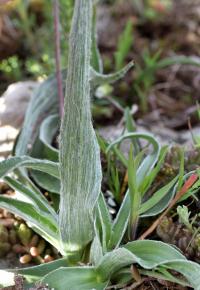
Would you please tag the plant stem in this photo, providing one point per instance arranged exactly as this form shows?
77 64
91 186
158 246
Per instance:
134 216
58 55
80 164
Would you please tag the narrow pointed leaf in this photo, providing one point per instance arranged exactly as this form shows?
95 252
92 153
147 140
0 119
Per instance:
98 79
96 61
42 222
96 251
103 216
120 223
156 198
148 180
38 199
124 44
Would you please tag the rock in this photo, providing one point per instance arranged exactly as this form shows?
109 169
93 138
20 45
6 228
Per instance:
14 102
13 105
163 134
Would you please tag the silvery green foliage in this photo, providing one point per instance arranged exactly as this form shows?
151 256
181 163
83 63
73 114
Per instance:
80 166
43 102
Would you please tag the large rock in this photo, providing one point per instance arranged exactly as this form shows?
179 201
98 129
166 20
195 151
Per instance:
13 105
14 102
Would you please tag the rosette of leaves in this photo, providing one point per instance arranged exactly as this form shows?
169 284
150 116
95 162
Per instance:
94 255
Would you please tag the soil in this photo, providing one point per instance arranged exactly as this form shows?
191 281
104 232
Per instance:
173 95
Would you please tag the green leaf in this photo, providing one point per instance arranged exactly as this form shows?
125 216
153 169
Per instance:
148 162
131 128
36 198
76 278
181 169
42 151
148 180
189 270
43 102
104 218
163 274
35 273
98 79
124 44
80 164
134 192
12 163
46 181
120 223
96 251
163 203
48 130
184 216
153 253
178 59
40 221
96 61
194 188
145 209
149 255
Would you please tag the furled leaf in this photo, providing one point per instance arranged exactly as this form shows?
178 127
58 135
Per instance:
44 180
43 103
149 255
43 149
149 161
79 150
48 130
